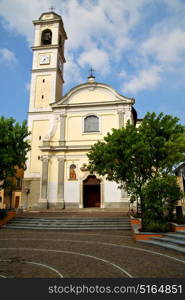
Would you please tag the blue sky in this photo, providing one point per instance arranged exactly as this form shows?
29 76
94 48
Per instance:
136 46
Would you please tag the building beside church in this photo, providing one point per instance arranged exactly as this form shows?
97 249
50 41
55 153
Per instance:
10 196
63 128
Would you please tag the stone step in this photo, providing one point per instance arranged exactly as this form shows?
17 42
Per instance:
66 225
90 223
165 245
181 232
170 240
176 235
72 219
69 222
66 228
70 226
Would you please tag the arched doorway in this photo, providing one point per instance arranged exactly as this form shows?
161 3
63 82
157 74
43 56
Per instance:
91 192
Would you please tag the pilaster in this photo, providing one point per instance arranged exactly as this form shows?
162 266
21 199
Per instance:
121 118
81 195
102 194
44 179
62 129
60 190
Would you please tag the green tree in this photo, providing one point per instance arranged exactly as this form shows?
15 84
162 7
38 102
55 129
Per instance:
14 146
132 156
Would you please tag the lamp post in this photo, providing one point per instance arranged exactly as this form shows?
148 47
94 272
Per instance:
27 191
179 212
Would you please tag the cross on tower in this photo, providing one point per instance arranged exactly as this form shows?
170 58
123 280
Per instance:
52 8
91 72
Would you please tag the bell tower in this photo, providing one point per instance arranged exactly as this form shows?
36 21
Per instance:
45 88
48 59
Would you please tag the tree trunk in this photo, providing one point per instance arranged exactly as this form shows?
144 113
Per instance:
142 211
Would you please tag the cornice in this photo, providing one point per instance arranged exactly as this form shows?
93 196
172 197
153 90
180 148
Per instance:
44 70
38 112
87 104
65 148
44 47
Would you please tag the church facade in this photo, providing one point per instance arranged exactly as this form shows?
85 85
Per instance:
64 127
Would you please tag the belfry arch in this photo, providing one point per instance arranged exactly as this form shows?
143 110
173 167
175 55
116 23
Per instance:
46 38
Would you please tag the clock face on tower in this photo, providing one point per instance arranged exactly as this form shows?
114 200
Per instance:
44 59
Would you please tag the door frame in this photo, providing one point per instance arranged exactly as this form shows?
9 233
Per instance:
90 185
81 202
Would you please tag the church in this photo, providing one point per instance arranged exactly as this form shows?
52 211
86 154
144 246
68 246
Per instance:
64 127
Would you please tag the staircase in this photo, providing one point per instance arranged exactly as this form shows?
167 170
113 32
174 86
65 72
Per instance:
69 224
174 241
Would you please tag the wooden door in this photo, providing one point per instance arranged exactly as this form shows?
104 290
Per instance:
91 192
17 198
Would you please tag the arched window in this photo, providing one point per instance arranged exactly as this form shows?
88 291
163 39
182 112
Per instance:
72 172
46 37
91 124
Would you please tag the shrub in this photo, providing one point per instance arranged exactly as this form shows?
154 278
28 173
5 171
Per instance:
156 226
180 220
160 196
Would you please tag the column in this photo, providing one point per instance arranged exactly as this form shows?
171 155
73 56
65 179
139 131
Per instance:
62 130
60 189
44 179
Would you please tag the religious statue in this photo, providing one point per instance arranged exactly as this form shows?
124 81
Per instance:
72 173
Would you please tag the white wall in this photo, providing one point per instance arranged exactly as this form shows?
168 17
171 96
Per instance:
111 192
52 191
72 191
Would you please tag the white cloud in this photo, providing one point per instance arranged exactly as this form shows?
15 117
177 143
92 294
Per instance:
72 72
166 45
27 86
100 34
123 74
146 80
7 55
96 58
18 15
90 25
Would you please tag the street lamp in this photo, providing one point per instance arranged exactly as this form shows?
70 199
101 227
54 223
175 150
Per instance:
27 191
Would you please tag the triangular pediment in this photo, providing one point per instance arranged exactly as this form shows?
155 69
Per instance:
92 93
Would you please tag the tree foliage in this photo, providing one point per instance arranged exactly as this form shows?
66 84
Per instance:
166 140
133 156
13 146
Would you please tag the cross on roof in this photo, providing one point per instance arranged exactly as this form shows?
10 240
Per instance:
52 8
91 72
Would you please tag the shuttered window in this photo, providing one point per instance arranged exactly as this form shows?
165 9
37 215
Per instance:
91 124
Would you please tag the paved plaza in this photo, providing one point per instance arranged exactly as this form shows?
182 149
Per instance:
84 254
